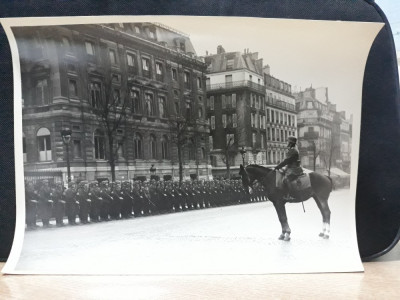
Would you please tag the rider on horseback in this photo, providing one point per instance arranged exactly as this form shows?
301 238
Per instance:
292 163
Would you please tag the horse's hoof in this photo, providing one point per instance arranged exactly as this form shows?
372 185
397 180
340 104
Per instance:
287 239
281 237
322 234
326 236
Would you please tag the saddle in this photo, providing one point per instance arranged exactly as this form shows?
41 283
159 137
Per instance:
299 186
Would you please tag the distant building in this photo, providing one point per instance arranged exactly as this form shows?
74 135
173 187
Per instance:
67 70
281 116
324 134
236 107
251 113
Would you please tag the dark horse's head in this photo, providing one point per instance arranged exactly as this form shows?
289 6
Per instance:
252 173
246 180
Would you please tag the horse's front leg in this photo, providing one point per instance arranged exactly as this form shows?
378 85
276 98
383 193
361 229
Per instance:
281 211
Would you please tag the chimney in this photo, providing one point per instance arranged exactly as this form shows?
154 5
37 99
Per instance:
220 50
267 70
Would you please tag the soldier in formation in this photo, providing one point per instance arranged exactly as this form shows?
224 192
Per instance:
95 202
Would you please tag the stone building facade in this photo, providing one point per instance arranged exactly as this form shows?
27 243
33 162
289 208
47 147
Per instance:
281 116
248 106
150 69
324 133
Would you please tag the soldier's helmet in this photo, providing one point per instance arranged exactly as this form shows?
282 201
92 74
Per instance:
292 139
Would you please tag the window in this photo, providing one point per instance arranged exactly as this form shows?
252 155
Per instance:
162 107
199 83
229 64
254 139
269 134
273 134
95 94
202 153
212 122
186 77
262 141
137 146
211 142
200 113
310 129
73 88
130 60
152 34
66 44
309 105
177 110
282 137
42 92
159 71
212 103
188 111
135 101
234 120
76 149
44 144
113 57
146 66
90 49
149 104
224 120
174 74
137 29
228 80
234 100
153 147
164 147
223 101
99 145
252 120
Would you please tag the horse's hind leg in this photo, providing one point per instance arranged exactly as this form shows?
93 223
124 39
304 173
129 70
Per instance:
322 204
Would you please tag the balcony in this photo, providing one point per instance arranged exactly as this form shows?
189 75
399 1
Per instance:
236 84
280 104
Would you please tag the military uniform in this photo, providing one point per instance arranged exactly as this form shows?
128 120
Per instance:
71 204
45 205
31 205
59 204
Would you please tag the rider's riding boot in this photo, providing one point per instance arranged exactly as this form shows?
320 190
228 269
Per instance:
287 196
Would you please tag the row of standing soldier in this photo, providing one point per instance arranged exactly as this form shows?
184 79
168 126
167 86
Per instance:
95 202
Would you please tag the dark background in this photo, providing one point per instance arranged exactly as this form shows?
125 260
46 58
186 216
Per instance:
377 203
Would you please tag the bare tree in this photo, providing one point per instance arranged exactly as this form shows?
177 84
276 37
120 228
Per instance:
111 113
180 136
331 147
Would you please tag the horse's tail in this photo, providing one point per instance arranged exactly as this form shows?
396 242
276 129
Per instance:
332 183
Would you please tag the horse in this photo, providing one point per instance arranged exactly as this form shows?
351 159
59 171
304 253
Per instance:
321 187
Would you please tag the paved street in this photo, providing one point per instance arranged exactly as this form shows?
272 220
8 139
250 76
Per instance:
225 240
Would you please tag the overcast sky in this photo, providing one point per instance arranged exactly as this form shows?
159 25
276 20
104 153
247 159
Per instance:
302 53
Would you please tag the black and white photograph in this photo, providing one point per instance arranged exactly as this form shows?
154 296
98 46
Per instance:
186 145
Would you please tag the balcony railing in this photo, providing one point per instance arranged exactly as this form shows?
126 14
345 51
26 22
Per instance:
236 84
281 104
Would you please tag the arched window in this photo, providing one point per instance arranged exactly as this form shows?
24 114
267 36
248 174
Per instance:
164 147
153 147
99 145
135 99
137 146
44 144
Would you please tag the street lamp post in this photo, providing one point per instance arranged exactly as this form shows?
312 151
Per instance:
66 137
243 153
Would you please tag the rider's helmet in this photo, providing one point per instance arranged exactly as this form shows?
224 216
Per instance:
292 139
